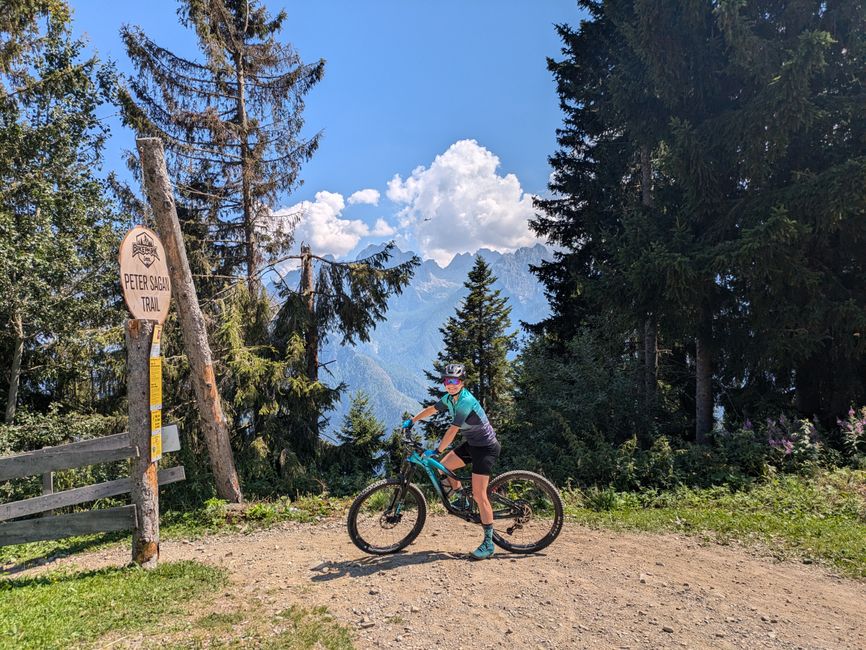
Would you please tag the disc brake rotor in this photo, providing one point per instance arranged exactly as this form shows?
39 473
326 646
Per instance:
389 520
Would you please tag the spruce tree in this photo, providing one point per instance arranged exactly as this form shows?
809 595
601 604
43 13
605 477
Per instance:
231 123
743 250
361 437
360 453
342 299
477 336
58 299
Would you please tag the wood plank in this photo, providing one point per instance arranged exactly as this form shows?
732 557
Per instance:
40 462
47 488
81 495
79 523
45 459
170 438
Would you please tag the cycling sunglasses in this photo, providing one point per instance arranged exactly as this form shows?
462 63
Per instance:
451 381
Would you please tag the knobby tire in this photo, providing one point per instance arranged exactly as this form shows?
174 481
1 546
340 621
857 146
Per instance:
358 503
558 516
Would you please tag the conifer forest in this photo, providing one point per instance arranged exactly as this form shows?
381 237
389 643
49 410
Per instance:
707 286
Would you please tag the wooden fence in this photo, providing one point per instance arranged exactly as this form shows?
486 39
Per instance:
76 454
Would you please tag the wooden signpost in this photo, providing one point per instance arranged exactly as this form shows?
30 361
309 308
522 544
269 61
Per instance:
146 286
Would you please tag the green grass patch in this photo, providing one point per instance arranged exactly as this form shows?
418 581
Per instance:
296 628
218 516
24 554
59 610
219 621
817 518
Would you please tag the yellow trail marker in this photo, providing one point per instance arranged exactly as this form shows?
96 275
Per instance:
156 395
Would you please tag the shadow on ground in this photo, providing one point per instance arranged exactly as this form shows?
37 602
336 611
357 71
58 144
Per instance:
61 550
367 565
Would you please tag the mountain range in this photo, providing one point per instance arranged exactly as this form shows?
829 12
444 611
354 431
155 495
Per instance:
390 367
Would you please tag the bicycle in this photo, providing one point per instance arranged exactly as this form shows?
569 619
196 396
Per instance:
529 503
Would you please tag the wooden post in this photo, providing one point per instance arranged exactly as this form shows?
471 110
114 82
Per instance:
195 341
47 488
145 489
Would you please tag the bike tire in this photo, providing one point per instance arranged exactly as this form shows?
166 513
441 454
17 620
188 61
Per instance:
558 515
366 493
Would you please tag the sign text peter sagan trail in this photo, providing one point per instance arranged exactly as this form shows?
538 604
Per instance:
144 275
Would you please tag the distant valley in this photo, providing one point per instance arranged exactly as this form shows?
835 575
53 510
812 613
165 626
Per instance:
390 368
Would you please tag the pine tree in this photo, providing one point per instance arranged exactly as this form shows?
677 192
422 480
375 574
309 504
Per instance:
231 123
58 299
361 437
344 299
743 251
361 451
477 336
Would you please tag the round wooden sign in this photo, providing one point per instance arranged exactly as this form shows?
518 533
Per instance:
144 275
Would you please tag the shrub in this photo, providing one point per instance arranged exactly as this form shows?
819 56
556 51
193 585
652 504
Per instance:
35 431
795 443
854 434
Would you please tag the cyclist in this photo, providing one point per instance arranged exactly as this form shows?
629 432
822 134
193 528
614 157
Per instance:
479 447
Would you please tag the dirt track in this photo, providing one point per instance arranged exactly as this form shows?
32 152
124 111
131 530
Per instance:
591 589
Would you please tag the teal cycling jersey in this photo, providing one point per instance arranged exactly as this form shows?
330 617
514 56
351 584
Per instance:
468 415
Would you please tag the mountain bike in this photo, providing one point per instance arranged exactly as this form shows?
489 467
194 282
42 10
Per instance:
388 515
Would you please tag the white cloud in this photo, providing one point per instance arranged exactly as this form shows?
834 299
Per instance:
367 197
321 226
460 204
382 229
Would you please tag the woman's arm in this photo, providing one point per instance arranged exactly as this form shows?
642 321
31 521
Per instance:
426 413
447 439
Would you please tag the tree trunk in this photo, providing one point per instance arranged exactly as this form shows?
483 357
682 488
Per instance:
651 364
646 176
15 370
650 344
195 339
311 333
703 381
251 242
145 489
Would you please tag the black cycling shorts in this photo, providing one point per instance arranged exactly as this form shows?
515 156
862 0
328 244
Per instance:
481 458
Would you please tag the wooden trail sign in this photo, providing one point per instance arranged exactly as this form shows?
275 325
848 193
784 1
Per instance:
144 276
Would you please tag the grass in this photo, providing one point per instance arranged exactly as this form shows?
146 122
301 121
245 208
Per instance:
296 628
59 610
819 518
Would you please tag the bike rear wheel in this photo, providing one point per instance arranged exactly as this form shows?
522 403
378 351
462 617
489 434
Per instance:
380 522
527 511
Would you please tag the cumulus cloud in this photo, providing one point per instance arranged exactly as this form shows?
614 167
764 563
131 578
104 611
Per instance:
460 204
367 197
321 226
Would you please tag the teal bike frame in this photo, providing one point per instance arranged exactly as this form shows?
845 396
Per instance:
431 467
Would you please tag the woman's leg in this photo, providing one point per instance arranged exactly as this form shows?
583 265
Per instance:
452 461
479 493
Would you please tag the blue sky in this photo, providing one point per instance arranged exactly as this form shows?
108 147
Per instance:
437 117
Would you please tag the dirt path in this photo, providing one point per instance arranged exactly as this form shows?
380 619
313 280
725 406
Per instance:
591 589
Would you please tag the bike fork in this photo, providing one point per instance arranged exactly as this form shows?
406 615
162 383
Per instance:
396 504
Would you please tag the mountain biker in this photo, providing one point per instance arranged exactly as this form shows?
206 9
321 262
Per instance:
479 447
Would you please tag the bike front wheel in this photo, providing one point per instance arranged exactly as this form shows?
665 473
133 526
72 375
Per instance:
385 519
527 511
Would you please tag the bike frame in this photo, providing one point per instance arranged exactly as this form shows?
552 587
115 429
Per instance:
431 466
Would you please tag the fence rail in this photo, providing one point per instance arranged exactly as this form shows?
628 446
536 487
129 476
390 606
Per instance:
75 454
78 523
